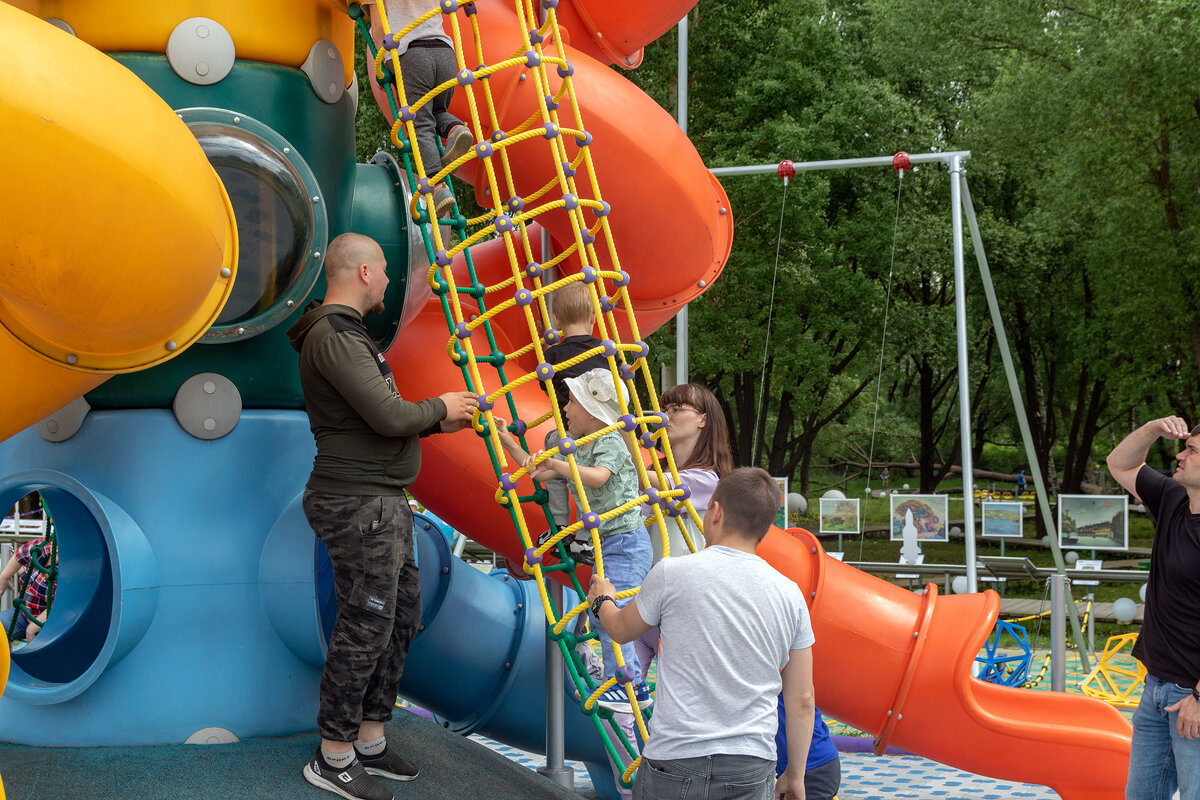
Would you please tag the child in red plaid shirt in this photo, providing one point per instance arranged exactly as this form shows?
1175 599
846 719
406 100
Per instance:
39 590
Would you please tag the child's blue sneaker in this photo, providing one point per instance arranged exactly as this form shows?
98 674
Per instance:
617 701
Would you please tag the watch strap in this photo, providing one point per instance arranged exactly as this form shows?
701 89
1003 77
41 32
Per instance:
599 601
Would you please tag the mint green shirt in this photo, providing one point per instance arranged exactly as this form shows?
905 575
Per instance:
610 452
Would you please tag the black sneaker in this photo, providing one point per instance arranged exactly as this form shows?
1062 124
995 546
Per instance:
582 549
388 765
353 782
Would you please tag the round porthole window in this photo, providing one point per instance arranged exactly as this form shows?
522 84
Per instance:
281 221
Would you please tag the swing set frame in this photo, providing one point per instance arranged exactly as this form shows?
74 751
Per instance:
960 207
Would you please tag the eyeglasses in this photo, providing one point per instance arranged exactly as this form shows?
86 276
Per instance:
675 408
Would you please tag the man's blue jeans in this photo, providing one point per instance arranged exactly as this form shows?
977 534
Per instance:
719 777
1161 760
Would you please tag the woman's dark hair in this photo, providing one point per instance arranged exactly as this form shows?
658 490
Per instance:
712 445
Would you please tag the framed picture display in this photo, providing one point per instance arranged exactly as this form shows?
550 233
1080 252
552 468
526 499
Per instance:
781 516
1093 521
929 513
1002 520
840 516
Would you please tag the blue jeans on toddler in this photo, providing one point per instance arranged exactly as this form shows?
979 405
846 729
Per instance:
627 559
1161 760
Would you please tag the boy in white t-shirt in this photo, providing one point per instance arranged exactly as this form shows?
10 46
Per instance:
730 624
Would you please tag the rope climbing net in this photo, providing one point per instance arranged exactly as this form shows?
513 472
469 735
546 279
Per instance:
471 307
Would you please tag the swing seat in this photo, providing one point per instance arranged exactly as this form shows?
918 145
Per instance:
1118 677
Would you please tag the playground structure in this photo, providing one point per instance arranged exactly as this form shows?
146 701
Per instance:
163 538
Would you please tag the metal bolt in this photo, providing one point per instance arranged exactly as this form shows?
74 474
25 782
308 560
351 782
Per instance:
723 211
291 303
240 331
520 606
445 570
171 345
316 254
209 387
702 284
72 358
52 425
226 272
210 424
287 151
508 665
316 199
916 634
237 120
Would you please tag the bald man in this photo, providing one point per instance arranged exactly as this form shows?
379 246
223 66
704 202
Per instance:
368 452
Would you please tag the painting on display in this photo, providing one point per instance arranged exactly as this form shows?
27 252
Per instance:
928 513
1003 520
839 515
1093 522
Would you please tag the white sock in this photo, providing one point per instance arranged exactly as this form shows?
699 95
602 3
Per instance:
338 761
371 748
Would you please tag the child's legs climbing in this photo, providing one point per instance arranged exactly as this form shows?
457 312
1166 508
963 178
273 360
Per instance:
626 559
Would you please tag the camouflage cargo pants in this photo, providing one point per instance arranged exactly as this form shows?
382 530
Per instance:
375 578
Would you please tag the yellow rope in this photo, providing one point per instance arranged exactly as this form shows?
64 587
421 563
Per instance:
553 123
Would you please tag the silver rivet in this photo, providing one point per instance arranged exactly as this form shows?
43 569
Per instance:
701 284
599 35
522 78
333 88
316 254
210 424
237 120
202 31
241 331
202 69
171 345
226 272
72 358
628 59
487 191
287 150
916 634
52 425
209 387
330 53
724 211
291 303
316 199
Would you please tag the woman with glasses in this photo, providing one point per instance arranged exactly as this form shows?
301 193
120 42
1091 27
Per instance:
699 442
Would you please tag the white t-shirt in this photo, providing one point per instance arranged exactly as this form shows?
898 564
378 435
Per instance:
728 620
702 482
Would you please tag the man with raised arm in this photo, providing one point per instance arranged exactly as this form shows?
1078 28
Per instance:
368 452
1166 725
729 623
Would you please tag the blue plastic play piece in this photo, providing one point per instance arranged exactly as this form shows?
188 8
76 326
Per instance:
1006 660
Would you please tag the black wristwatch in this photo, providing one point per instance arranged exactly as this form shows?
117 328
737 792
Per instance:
599 601
1196 694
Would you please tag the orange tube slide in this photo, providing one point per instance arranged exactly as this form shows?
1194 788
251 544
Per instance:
898 664
97 170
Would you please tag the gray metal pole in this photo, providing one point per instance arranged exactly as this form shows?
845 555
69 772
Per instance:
556 768
1058 633
681 319
1014 389
844 163
964 383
